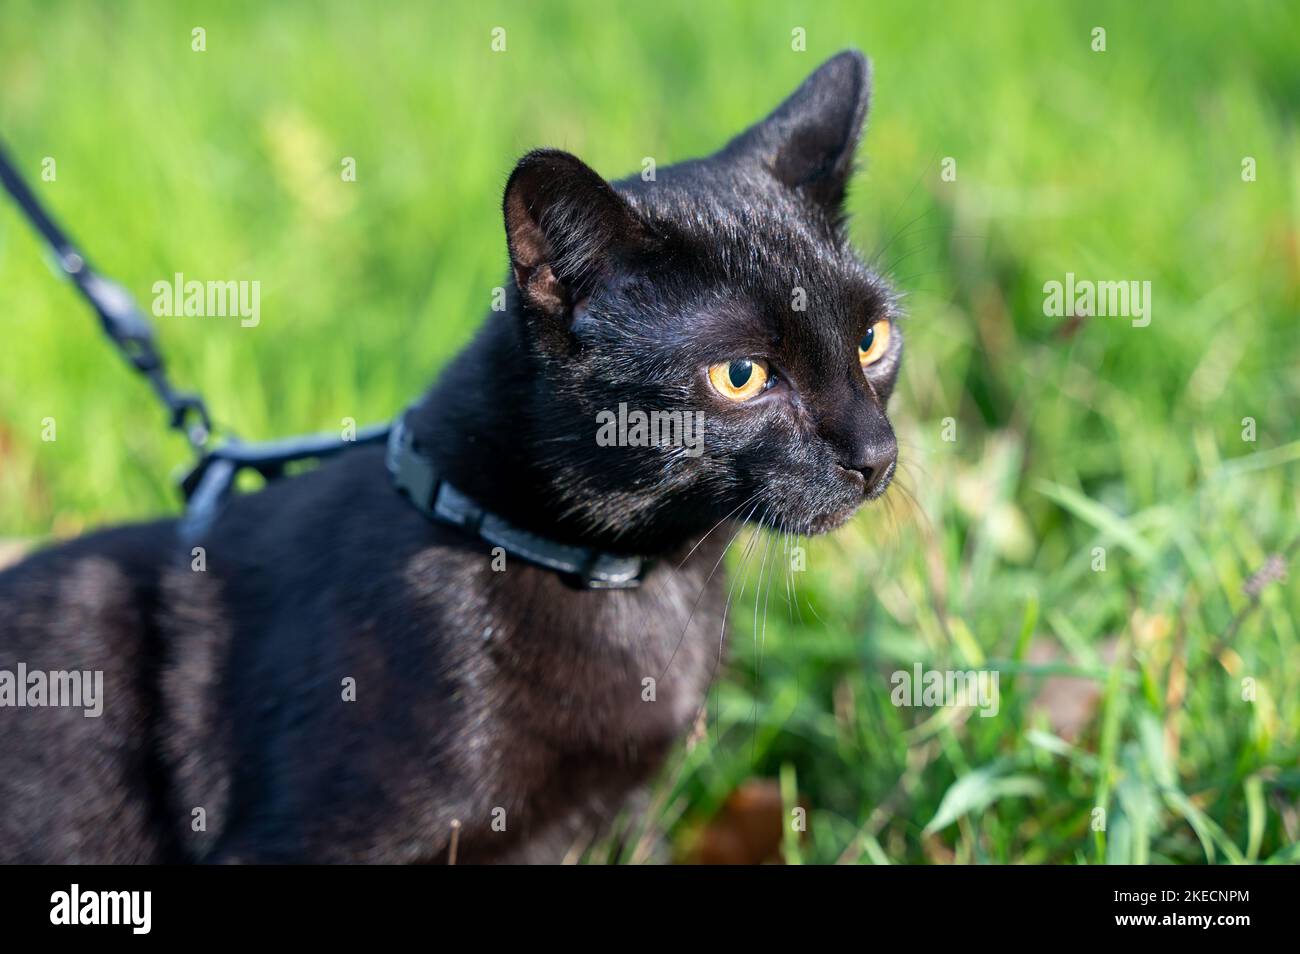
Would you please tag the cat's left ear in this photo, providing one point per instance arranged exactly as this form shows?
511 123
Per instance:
567 229
807 143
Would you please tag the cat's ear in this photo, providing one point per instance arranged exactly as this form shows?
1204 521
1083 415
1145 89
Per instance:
566 228
807 143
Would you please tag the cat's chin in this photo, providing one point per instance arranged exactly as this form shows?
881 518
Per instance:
822 523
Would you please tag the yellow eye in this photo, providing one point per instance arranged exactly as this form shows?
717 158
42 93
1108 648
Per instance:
875 343
739 379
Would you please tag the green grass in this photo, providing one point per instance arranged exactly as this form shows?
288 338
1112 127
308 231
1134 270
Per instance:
1117 165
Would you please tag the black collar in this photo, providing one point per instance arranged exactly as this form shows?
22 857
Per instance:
414 475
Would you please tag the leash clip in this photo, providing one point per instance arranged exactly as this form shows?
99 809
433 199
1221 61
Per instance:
605 571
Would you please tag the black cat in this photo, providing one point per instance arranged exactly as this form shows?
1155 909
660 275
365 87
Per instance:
347 679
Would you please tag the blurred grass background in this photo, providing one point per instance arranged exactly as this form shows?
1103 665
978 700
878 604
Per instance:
1122 688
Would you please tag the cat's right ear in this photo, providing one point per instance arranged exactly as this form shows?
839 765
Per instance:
566 228
807 143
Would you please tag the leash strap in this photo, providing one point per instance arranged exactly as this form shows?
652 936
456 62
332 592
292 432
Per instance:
119 316
415 475
208 486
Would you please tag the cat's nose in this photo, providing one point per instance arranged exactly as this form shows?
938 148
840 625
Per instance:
875 462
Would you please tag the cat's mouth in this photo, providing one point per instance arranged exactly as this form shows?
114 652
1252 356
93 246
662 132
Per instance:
824 522
833 521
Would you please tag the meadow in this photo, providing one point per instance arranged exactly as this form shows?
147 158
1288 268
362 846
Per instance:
1101 512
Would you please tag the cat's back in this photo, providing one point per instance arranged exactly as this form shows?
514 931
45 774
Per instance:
78 651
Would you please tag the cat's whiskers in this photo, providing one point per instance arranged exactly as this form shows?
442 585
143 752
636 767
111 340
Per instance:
915 506
925 171
742 576
731 587
761 637
889 269
909 462
792 600
789 574
891 517
758 588
705 586
716 525
874 261
759 643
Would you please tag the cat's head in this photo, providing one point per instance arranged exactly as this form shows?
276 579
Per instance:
722 290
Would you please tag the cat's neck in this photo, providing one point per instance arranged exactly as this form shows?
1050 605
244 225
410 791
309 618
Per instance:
480 424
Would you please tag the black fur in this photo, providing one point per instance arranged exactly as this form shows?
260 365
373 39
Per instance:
478 690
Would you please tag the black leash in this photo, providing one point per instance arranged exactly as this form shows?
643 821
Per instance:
208 485
122 321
